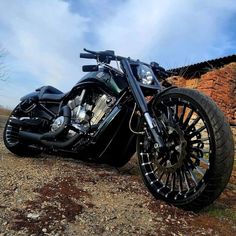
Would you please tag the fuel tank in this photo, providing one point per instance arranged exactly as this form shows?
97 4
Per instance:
115 83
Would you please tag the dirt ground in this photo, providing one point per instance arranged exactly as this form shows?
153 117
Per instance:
52 195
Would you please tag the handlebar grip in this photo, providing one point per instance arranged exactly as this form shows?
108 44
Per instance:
88 56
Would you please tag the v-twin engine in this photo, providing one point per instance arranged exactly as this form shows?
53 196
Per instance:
102 106
90 110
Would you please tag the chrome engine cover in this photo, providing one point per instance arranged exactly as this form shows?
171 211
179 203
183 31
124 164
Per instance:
98 109
58 122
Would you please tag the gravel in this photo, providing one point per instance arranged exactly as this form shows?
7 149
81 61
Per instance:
52 195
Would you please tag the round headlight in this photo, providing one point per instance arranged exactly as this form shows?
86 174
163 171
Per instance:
145 74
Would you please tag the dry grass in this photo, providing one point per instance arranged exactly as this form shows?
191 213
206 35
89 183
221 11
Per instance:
5 111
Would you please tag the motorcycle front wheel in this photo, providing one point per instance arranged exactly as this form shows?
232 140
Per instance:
196 163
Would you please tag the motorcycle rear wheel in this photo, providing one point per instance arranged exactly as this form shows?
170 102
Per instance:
198 160
12 140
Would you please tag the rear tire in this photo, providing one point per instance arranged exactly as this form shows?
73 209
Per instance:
191 178
12 141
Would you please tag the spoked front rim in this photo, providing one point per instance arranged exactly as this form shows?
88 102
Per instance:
181 170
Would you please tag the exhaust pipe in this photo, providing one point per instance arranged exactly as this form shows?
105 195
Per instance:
59 144
29 136
37 138
47 138
66 112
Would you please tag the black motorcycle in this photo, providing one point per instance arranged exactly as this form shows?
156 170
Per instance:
183 141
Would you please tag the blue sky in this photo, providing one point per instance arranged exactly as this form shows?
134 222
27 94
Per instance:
44 38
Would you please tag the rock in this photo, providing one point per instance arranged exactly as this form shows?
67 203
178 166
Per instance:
163 228
33 216
5 223
64 222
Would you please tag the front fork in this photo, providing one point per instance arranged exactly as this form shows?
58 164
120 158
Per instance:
155 130
140 100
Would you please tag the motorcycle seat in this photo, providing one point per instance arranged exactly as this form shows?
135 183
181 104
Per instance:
49 93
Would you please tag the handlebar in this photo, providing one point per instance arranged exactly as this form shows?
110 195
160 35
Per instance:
109 55
88 56
103 56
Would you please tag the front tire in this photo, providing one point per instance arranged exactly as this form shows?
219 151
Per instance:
197 163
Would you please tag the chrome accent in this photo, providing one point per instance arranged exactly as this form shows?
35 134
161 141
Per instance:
79 101
100 109
146 163
149 120
57 123
152 182
148 173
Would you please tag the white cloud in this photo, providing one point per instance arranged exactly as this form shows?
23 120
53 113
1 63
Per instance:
45 37
172 31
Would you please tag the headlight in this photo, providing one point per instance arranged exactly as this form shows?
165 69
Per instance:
145 74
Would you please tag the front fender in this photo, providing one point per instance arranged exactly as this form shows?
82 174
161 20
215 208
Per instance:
157 96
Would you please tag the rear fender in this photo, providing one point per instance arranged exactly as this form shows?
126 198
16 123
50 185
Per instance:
34 96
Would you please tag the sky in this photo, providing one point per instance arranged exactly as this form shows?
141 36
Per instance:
43 38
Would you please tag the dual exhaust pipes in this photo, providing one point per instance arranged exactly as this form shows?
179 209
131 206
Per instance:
48 139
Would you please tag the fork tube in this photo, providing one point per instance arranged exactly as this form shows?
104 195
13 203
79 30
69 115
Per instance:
140 100
136 90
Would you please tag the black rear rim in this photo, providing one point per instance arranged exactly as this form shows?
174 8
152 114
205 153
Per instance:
181 170
11 133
